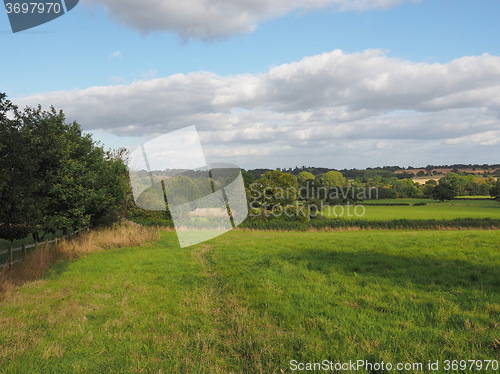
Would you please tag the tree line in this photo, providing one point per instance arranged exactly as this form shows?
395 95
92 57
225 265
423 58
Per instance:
53 177
390 171
268 189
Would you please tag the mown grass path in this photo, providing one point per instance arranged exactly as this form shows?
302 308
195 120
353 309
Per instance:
250 302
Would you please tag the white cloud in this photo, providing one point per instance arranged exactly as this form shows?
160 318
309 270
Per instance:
206 19
483 138
324 101
114 55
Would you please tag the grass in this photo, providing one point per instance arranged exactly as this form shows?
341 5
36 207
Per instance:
41 259
5 244
250 302
475 197
400 201
433 210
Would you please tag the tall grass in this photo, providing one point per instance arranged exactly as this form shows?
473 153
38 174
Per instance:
127 234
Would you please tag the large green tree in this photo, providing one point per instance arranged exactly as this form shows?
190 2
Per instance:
55 176
277 188
17 186
333 179
304 177
444 191
495 190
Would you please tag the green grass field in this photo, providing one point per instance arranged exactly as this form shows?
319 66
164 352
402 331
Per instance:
474 197
250 302
433 210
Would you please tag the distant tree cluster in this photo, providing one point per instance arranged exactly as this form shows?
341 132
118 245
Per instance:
282 188
393 171
53 177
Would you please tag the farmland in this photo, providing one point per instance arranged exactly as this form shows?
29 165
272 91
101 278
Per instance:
253 301
459 208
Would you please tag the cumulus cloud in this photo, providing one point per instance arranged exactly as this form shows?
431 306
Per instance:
206 19
367 99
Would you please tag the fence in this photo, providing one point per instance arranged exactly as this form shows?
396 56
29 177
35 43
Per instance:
10 251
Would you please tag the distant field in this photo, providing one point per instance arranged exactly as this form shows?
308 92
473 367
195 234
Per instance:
422 180
433 210
250 302
399 201
474 197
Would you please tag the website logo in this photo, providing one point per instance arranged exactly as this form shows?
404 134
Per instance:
24 15
170 172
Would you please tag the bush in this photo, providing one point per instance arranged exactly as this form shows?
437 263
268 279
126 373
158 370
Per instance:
150 217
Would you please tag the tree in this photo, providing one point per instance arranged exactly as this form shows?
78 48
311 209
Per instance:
495 190
461 183
71 183
78 184
277 187
304 176
428 188
247 178
404 188
181 189
16 185
333 179
444 191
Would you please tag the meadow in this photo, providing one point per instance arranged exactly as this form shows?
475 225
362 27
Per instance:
460 208
251 302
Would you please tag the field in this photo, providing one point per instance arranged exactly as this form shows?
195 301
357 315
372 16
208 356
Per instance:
433 210
250 302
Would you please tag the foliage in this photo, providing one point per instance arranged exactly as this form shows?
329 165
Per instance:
150 217
181 189
276 188
17 185
371 224
444 191
333 179
247 179
71 183
495 190
304 176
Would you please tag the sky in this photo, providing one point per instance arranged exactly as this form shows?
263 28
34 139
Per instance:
273 83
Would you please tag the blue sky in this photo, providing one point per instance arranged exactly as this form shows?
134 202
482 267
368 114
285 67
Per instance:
269 90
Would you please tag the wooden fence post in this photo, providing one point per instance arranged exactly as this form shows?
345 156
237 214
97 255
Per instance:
10 258
46 244
36 246
24 252
55 243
